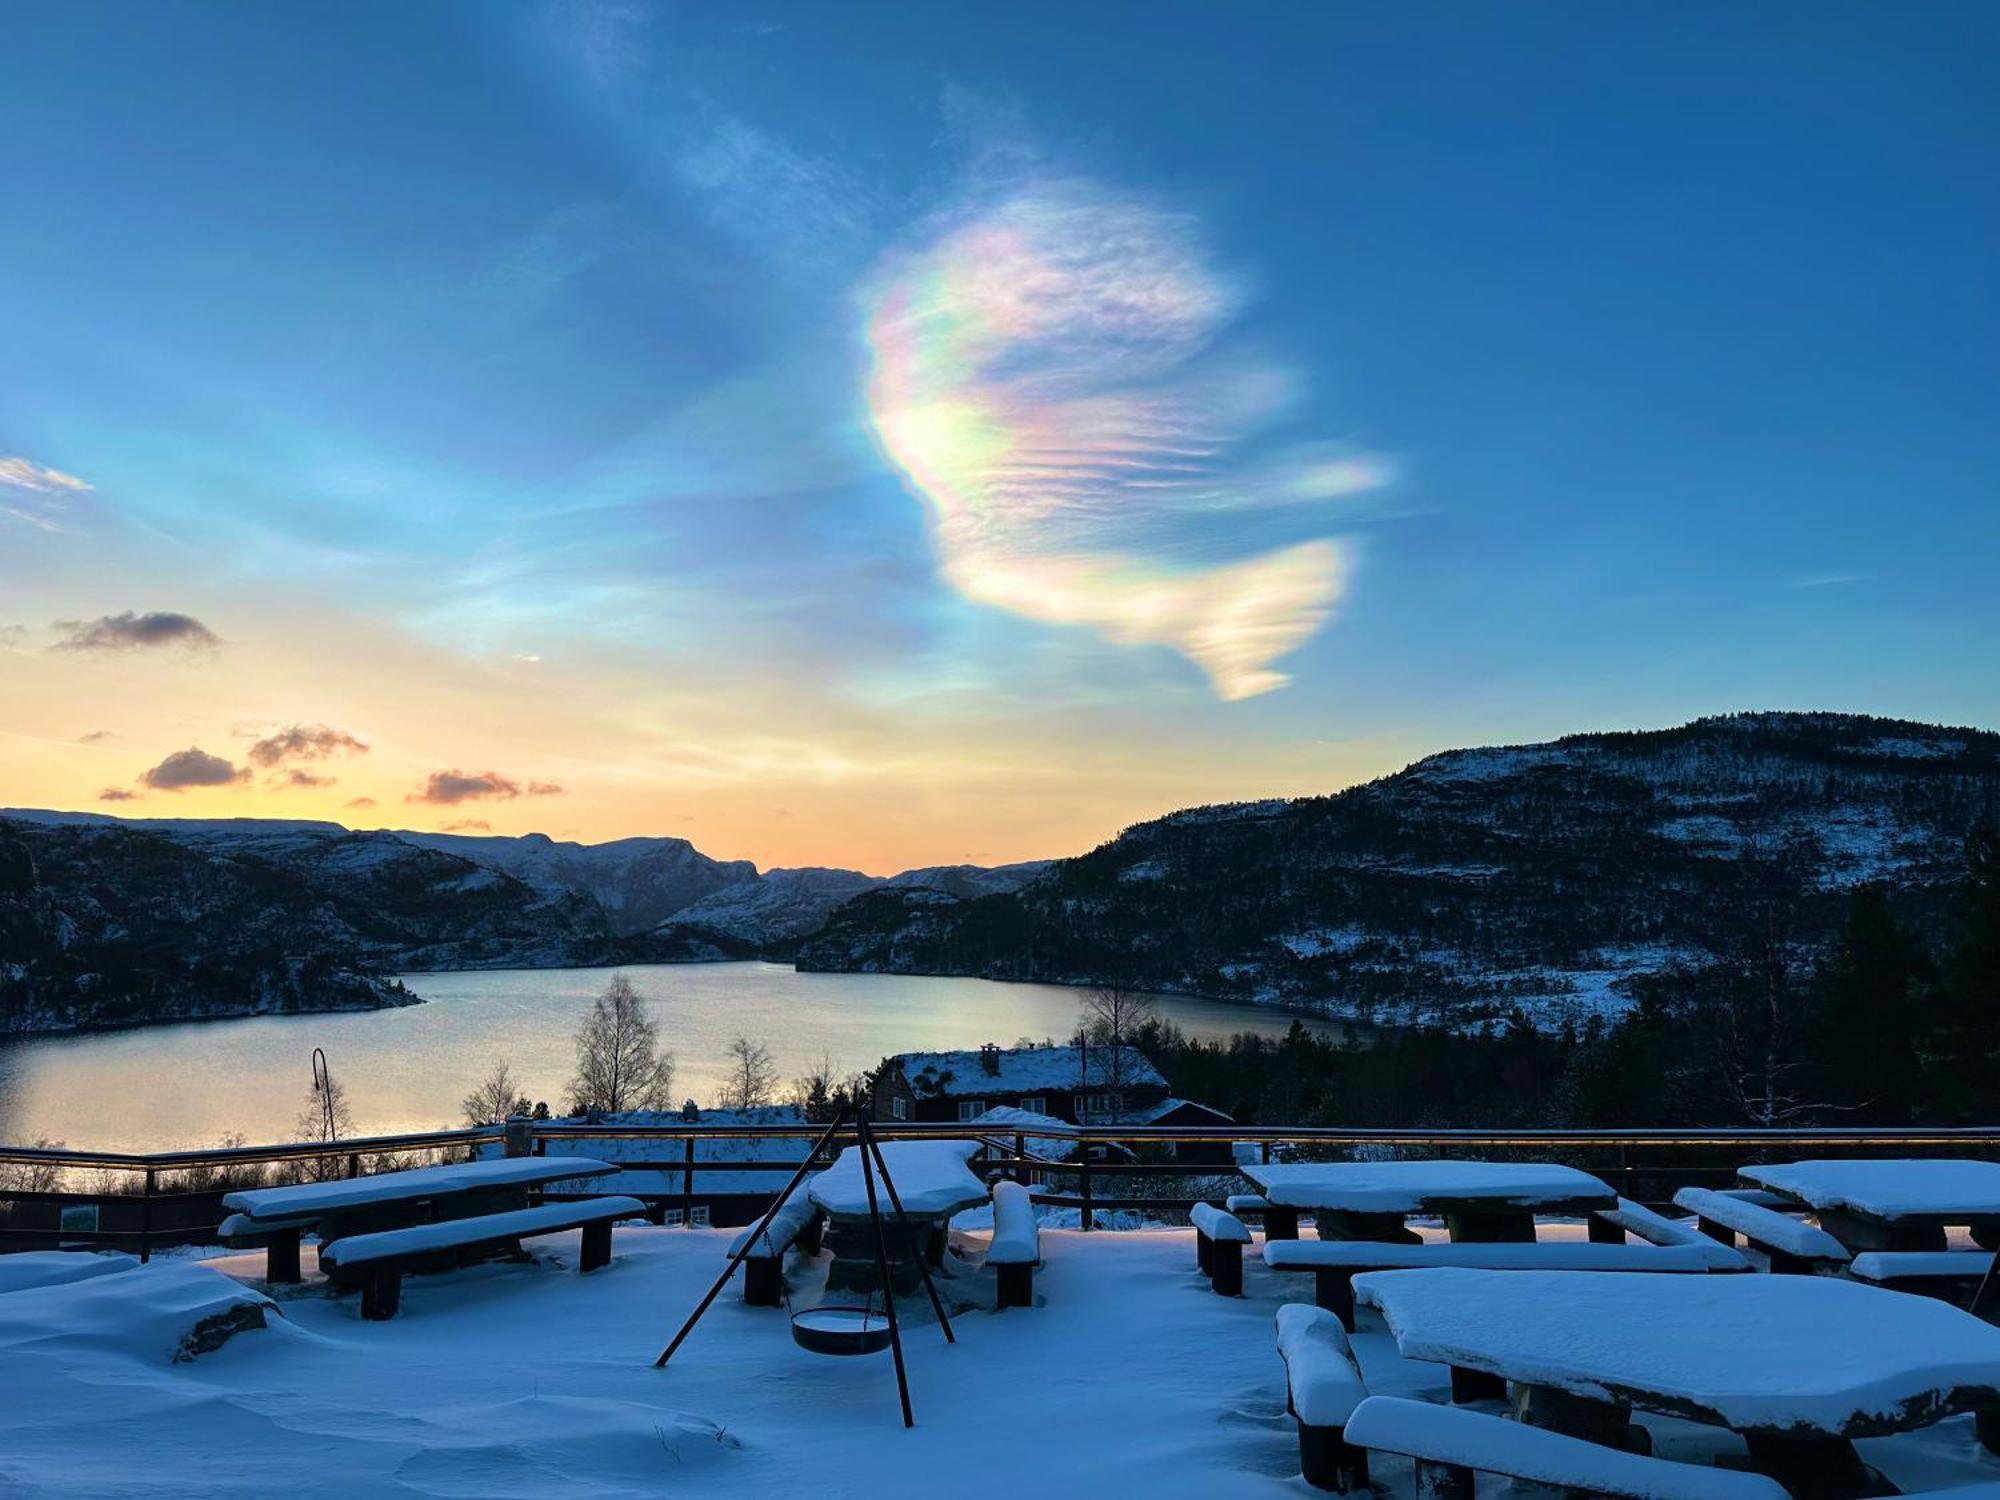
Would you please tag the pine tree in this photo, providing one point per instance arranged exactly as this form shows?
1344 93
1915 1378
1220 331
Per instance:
1962 1045
1869 1013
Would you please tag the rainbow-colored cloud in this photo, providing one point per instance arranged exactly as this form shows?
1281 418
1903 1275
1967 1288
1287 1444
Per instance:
1045 377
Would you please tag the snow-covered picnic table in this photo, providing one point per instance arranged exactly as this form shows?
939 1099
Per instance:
931 1177
1478 1199
1892 1204
389 1200
932 1181
1798 1364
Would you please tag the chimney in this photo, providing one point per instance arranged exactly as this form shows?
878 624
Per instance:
989 1058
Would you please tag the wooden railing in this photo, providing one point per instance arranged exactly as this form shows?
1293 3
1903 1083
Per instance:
148 1200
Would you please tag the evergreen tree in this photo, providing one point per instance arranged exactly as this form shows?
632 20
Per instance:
1865 1026
1962 1045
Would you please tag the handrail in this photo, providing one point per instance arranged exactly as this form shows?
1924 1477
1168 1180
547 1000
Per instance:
1986 1136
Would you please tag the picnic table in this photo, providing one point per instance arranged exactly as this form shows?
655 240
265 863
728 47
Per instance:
1892 1205
932 1181
1479 1201
389 1200
1799 1365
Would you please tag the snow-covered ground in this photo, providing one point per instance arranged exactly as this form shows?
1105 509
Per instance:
527 1380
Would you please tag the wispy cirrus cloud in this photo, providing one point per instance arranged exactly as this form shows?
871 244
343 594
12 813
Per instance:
34 494
1046 375
193 767
135 632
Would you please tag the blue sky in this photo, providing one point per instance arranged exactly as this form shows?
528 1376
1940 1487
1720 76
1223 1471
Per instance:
875 434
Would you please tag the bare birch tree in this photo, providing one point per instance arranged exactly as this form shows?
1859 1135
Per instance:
495 1098
1108 1031
753 1077
618 1062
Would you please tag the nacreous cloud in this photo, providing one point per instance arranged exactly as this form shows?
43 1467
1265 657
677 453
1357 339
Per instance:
1045 377
129 632
192 767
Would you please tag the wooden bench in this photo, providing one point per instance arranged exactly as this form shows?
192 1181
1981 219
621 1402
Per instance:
1609 1226
277 1217
1449 1445
1944 1274
1219 1238
1017 1244
1322 1388
1795 1247
380 1259
1280 1223
1335 1263
797 1222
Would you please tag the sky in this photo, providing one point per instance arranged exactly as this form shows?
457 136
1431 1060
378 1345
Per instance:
891 434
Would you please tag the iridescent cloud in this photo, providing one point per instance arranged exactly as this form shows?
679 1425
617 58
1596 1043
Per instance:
1045 376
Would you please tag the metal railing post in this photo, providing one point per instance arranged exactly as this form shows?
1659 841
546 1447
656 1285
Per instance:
146 1220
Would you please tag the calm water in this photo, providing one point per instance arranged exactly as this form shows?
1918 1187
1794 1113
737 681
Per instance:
190 1085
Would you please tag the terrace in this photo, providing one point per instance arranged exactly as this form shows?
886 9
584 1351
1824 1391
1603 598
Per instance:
523 1377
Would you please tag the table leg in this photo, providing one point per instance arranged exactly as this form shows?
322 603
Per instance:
1586 1417
1987 1424
1476 1385
1381 1229
1815 1468
281 1257
1860 1233
1281 1223
1512 1227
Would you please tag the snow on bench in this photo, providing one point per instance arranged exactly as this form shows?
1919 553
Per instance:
1322 1388
1016 1245
1609 1226
796 1221
1246 1203
170 1310
1793 1246
39 1268
380 1257
1887 1267
1219 1238
1335 1263
1450 1444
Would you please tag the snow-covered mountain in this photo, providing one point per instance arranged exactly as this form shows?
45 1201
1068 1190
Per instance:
1551 877
784 905
639 882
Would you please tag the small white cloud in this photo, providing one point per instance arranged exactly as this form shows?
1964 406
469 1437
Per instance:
24 474
1825 580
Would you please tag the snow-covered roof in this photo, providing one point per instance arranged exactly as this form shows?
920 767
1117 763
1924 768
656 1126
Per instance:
1024 1070
1052 1140
1155 1112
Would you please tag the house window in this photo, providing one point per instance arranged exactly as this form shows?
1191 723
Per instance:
1089 1105
899 1107
971 1109
1036 1106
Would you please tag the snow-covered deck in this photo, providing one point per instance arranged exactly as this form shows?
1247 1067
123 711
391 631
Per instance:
523 1380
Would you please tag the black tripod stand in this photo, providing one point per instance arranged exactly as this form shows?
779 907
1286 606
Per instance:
872 1163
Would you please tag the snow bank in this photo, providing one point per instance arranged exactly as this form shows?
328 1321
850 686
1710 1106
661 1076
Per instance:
33 1268
149 1312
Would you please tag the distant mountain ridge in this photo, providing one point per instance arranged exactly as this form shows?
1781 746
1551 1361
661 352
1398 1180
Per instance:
1553 878
123 920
